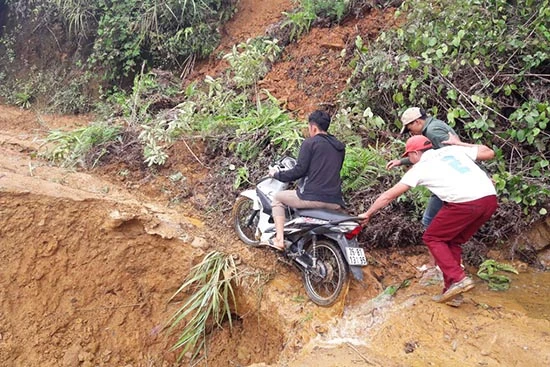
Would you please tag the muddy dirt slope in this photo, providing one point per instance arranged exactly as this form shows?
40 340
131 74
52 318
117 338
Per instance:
88 269
89 260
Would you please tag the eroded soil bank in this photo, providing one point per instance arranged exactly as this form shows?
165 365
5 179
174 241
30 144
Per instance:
88 283
90 261
88 269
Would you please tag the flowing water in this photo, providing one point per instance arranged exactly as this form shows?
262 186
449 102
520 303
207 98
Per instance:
529 293
490 328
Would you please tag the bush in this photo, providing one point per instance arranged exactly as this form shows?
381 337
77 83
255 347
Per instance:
70 148
477 64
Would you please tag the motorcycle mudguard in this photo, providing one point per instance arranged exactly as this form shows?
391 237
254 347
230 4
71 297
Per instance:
251 194
343 243
357 272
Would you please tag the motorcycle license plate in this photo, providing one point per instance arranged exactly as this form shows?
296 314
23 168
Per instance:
356 256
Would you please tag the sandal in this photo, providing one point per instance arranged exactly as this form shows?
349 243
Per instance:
271 243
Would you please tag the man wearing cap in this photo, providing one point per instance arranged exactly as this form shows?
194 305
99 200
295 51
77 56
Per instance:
469 201
440 134
318 166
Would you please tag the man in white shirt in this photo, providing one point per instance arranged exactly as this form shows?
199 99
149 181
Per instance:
468 195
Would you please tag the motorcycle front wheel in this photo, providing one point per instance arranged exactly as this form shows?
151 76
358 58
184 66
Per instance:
245 221
324 281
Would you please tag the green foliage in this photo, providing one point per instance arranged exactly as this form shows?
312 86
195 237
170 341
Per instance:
23 99
7 46
165 33
217 100
249 60
70 148
123 34
331 9
267 124
477 62
77 14
118 43
488 271
212 299
392 289
205 110
153 133
242 177
72 97
299 23
213 108
362 167
300 20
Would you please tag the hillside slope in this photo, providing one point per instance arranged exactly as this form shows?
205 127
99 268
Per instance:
90 260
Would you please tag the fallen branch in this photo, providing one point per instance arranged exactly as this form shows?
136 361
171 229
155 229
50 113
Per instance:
197 158
359 354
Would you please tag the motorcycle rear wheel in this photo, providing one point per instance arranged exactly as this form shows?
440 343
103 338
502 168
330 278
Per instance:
245 221
325 282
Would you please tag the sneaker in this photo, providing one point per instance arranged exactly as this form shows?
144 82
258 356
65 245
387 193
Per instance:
455 302
459 287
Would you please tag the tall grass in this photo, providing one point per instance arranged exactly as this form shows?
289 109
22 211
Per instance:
71 147
211 284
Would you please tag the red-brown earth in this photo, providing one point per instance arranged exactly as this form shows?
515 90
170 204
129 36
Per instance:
90 259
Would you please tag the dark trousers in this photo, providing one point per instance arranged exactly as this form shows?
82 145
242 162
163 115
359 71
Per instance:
454 224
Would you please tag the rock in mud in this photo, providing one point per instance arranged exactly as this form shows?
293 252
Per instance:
116 219
166 230
199 242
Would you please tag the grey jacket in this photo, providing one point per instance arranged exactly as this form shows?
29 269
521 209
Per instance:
435 130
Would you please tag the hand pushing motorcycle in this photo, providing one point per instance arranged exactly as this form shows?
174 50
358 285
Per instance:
323 243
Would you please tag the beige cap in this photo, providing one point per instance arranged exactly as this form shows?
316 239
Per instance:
409 116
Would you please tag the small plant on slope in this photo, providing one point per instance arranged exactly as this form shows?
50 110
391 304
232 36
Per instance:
211 302
71 147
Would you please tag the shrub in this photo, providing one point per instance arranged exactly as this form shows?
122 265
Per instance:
476 64
70 148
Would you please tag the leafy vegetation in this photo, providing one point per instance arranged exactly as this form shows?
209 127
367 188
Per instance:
489 271
214 109
72 147
300 20
481 65
211 302
111 40
249 60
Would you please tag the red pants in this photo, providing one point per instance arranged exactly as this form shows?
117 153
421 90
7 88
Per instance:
453 225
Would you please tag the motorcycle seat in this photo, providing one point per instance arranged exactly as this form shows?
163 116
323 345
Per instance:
325 214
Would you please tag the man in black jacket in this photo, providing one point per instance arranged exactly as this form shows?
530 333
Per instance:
319 163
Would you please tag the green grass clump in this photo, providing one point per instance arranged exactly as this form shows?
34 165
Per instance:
71 147
210 303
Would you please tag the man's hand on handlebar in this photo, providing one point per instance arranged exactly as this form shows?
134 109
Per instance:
272 171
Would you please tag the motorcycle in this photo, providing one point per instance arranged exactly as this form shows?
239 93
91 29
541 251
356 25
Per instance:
321 243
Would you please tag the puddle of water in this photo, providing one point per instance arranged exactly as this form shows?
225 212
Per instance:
532 292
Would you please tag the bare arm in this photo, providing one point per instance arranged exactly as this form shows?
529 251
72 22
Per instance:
384 199
453 140
484 153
